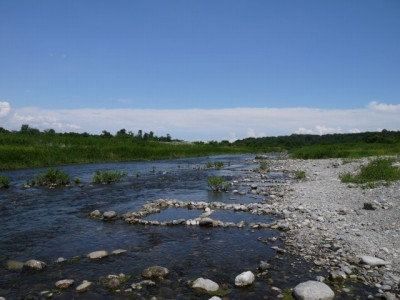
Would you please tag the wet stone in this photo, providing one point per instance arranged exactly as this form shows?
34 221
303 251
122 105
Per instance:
60 260
97 254
205 284
84 286
313 290
95 214
109 215
34 264
155 272
244 279
13 265
119 251
63 284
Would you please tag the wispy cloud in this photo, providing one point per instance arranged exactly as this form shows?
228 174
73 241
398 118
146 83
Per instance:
208 124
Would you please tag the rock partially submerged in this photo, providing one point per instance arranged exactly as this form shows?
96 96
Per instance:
97 254
109 215
64 283
34 264
205 284
244 279
155 272
84 286
313 290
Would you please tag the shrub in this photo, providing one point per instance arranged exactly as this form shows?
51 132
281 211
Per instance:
209 165
298 174
263 167
52 177
77 180
218 164
107 177
218 184
4 182
376 170
215 164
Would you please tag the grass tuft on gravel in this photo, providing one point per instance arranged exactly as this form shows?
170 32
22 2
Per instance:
381 169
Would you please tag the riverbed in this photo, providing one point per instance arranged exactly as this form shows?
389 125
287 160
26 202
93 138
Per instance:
46 224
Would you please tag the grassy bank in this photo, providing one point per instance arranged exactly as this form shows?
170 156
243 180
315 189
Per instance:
30 148
19 151
346 150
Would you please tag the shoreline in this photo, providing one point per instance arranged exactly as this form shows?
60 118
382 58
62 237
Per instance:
328 224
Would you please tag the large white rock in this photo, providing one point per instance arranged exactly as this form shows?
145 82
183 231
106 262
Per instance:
313 290
372 261
246 278
205 284
215 298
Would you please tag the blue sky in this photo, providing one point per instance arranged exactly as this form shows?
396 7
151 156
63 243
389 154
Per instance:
108 56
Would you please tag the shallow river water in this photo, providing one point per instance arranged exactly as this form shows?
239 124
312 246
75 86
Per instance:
45 224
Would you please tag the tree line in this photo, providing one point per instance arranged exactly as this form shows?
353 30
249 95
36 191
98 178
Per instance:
301 140
122 133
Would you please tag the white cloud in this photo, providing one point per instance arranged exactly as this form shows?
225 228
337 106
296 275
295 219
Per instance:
4 108
384 107
208 124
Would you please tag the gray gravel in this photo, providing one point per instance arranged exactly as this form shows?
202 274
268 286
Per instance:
334 225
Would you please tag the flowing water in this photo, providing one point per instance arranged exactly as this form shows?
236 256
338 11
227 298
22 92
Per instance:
45 224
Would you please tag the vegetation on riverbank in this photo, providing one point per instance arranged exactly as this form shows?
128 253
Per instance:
348 145
30 148
376 170
26 149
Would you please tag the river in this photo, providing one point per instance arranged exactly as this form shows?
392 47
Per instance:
45 224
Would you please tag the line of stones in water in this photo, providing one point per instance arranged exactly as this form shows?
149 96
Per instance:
204 219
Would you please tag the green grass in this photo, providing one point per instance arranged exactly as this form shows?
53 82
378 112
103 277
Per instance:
218 184
376 170
4 182
263 167
22 151
52 177
107 177
346 150
298 174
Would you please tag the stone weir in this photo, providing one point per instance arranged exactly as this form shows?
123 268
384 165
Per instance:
206 210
